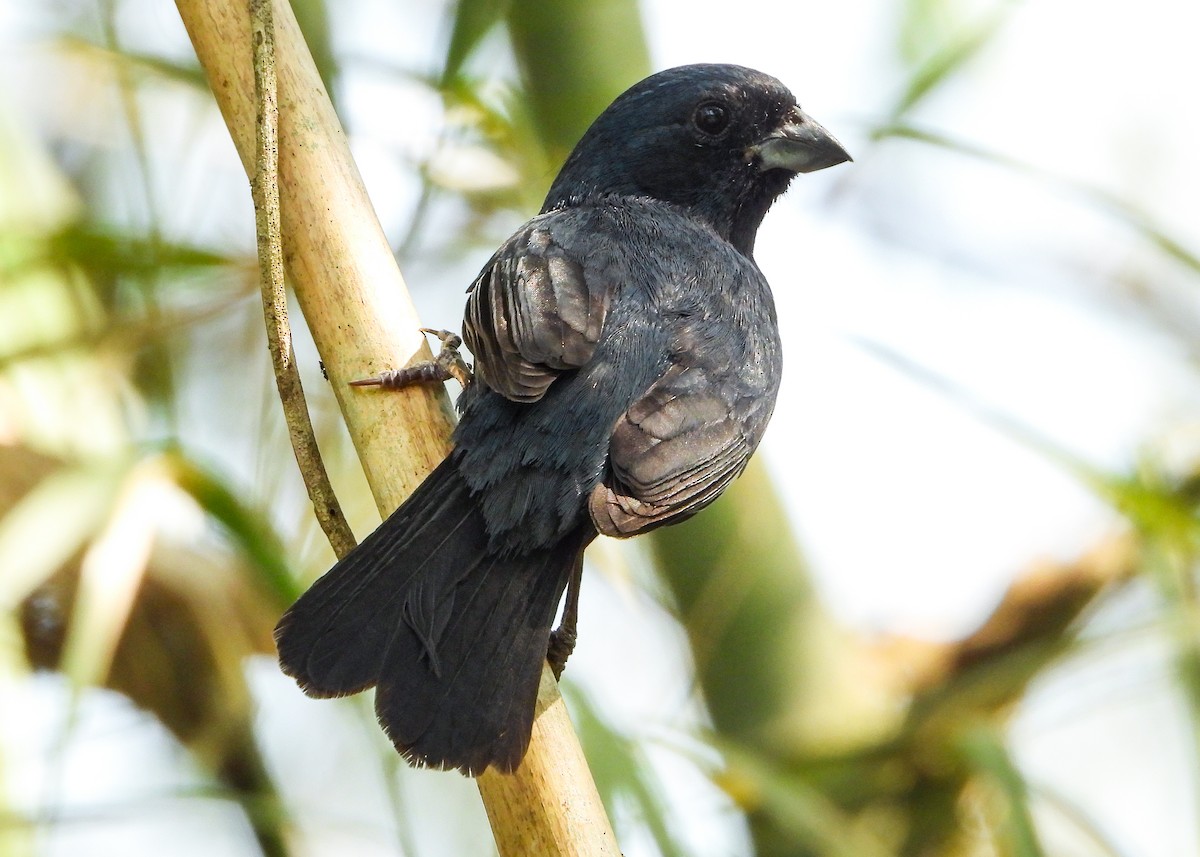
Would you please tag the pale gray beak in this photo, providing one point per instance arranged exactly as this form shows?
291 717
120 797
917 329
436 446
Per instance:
799 145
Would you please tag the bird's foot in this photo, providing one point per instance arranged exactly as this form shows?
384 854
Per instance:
446 365
562 639
562 644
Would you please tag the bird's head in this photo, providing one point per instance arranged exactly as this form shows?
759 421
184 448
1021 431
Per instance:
720 141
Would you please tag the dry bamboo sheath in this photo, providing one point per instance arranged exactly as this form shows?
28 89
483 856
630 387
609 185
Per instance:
354 300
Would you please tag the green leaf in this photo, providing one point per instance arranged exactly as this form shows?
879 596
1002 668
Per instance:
142 67
986 753
1156 508
620 769
950 57
802 819
473 19
106 253
250 532
925 24
313 18
571 65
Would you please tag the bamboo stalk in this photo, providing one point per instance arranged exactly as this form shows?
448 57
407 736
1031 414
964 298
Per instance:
362 320
345 278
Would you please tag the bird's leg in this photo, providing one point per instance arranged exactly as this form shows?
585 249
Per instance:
448 364
562 640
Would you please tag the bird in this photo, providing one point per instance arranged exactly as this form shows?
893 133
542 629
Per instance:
627 361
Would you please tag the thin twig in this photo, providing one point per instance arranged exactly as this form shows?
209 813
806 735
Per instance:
265 187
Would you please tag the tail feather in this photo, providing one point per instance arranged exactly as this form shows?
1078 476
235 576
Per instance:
333 639
480 711
453 635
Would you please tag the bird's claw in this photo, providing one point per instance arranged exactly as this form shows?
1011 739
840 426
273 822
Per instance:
562 644
446 365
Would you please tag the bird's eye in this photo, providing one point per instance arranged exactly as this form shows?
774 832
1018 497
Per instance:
711 118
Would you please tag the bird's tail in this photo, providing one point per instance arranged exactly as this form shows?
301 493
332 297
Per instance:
453 635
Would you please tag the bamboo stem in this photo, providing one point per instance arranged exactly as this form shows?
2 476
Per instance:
342 270
362 320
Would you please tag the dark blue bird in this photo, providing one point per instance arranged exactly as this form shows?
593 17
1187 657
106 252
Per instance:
627 361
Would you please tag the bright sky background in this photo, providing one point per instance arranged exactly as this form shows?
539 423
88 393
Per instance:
915 513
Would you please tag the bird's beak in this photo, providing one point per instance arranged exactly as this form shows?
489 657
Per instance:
799 145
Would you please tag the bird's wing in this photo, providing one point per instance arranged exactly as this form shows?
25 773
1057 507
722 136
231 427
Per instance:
672 453
536 310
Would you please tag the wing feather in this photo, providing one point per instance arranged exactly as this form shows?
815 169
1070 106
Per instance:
672 453
536 310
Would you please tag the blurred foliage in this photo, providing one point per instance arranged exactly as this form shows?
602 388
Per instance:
621 770
556 42
1140 222
937 41
113 327
840 745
